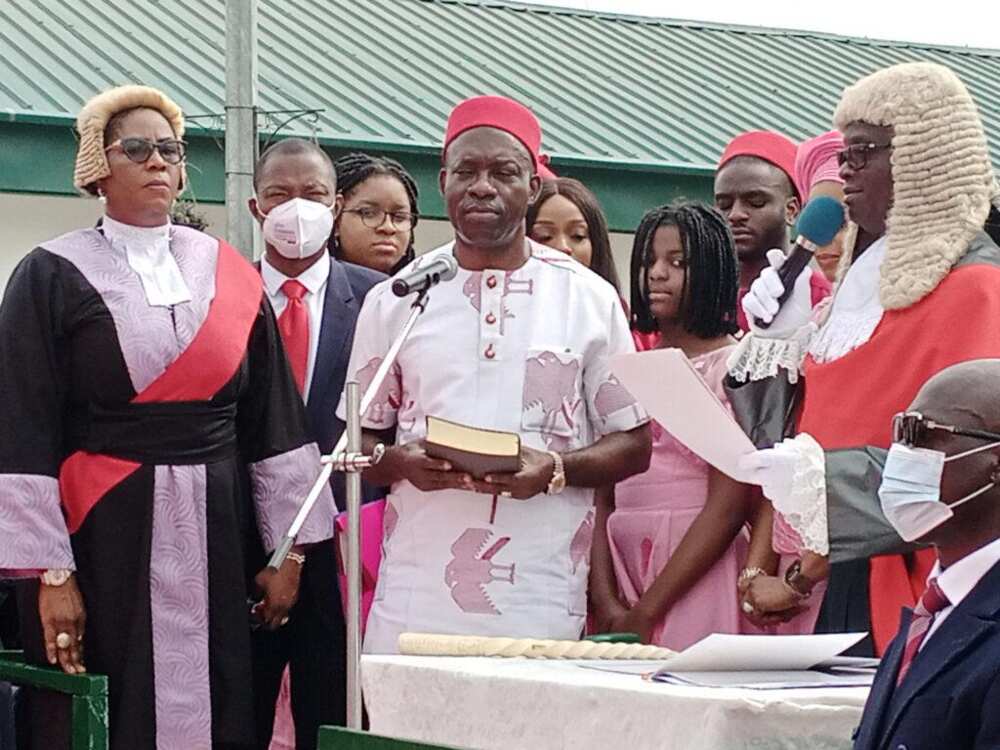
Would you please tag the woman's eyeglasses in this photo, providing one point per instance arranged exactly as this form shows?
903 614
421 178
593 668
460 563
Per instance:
139 150
373 218
857 155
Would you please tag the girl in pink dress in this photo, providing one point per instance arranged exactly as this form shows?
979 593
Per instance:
670 543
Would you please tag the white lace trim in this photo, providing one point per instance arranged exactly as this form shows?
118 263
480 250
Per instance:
804 508
757 357
856 310
851 331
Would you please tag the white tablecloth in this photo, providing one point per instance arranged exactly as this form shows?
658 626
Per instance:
508 704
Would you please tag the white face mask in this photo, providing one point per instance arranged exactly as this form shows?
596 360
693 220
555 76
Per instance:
910 494
298 228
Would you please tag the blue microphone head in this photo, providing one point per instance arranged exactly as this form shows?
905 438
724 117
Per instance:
820 220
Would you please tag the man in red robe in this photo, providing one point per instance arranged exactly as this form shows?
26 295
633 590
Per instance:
922 293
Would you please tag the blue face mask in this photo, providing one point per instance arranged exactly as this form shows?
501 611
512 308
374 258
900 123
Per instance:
910 494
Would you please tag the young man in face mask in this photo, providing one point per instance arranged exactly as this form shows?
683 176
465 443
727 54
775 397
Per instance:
939 683
316 299
507 554
922 293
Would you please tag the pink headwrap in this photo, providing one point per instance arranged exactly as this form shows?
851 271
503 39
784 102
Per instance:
816 161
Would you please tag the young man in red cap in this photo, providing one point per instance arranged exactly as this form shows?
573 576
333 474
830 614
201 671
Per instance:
755 189
506 554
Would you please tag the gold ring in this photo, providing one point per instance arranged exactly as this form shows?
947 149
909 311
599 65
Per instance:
748 607
64 640
505 493
284 621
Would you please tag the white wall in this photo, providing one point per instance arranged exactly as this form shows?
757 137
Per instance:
27 220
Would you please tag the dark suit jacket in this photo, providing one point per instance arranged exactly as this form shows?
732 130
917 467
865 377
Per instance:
345 291
950 699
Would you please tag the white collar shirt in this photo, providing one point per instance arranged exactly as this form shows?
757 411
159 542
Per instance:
959 578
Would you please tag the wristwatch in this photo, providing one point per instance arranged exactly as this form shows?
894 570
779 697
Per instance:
56 576
800 585
558 482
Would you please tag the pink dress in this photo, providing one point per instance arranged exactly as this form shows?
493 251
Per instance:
653 512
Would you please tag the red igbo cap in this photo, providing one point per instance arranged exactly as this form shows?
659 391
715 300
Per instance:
503 114
772 147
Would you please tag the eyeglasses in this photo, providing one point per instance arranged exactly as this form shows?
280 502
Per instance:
373 218
857 155
911 428
139 150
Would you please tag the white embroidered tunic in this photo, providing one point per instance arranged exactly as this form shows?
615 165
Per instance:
524 351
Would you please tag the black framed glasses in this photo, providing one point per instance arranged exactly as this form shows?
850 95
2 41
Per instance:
857 155
139 150
911 428
373 218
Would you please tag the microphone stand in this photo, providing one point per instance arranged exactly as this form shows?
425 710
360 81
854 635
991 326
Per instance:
347 456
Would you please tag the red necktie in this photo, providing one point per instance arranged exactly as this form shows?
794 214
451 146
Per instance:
932 602
294 327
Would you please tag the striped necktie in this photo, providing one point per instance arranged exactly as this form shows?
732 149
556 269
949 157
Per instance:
932 602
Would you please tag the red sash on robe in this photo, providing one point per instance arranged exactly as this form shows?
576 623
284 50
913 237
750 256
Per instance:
201 370
850 402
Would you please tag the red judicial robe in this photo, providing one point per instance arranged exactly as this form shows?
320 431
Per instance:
849 402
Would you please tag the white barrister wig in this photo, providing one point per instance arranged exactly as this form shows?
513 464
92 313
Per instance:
91 159
942 177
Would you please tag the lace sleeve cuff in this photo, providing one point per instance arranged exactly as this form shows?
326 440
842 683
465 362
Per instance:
757 357
804 508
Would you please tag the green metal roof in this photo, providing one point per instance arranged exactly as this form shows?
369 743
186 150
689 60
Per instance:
656 95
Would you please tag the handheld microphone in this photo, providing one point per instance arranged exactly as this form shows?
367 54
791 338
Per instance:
818 224
442 268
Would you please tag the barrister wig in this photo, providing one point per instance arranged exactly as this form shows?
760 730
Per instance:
941 172
92 122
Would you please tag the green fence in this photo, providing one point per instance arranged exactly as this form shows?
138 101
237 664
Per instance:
89 694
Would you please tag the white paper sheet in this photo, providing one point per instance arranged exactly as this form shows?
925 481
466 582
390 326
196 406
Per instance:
666 384
721 652
767 680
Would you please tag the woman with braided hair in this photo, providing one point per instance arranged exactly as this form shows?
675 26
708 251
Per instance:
668 545
375 226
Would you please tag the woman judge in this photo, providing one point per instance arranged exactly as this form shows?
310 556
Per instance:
151 418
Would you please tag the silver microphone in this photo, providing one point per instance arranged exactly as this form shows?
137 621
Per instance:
442 268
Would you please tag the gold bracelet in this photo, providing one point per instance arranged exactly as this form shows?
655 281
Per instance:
748 574
296 557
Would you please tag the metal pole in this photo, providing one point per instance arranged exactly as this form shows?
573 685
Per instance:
353 479
241 121
339 458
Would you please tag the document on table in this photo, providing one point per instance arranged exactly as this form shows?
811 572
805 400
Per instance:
721 652
669 387
760 662
779 680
